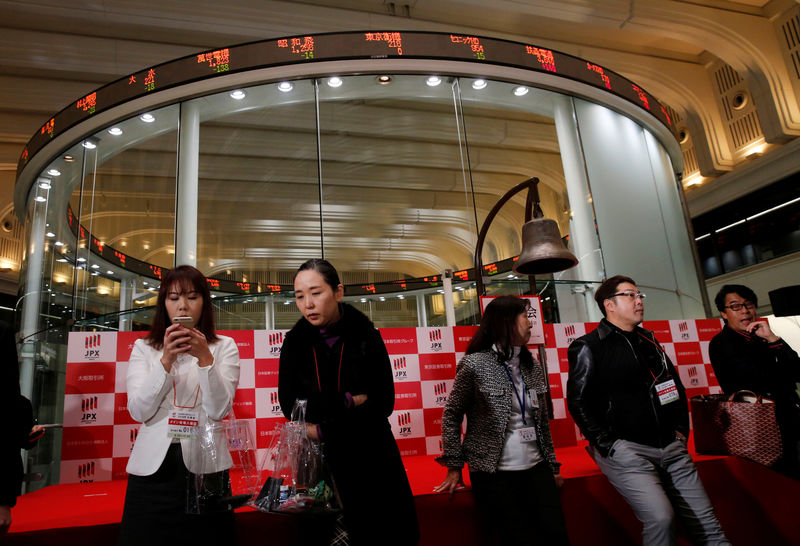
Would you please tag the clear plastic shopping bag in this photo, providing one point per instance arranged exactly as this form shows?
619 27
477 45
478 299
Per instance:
297 480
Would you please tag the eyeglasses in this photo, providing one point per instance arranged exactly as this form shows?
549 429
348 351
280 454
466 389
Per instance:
738 306
631 295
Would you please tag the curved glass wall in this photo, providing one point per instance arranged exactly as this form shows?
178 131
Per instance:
389 176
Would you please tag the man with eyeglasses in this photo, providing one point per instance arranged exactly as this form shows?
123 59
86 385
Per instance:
627 398
747 355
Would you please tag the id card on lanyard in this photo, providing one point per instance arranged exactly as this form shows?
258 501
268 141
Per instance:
183 420
526 434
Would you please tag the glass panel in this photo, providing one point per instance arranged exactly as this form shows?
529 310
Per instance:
125 201
258 209
396 201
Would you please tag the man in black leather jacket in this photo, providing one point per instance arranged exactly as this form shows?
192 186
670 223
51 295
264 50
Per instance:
748 355
627 398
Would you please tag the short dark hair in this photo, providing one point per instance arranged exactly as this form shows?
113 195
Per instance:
184 276
742 290
608 289
324 268
498 325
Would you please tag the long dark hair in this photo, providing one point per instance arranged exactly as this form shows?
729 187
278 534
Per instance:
189 279
499 326
324 268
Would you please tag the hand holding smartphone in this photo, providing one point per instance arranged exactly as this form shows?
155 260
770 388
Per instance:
186 322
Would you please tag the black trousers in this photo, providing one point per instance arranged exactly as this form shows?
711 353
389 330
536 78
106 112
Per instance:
155 510
520 507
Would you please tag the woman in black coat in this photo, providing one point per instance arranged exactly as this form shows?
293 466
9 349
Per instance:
335 358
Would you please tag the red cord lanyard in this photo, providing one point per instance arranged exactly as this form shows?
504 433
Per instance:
663 360
175 397
316 366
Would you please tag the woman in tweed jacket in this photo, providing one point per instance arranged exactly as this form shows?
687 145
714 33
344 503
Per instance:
508 447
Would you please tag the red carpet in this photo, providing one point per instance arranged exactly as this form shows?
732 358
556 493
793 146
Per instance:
754 505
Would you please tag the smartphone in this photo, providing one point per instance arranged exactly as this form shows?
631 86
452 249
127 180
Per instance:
186 322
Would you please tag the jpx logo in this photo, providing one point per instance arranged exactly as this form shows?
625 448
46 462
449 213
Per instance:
275 341
91 344
274 402
683 328
86 472
404 422
89 410
569 333
693 379
435 339
440 393
400 367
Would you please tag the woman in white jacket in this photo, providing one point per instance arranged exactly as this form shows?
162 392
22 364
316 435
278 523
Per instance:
181 377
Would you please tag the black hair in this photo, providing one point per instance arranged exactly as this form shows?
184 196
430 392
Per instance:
324 268
187 278
742 290
608 289
499 325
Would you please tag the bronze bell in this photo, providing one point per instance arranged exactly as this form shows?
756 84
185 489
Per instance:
543 251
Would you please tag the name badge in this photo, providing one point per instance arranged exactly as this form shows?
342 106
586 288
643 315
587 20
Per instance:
183 424
667 392
534 398
527 434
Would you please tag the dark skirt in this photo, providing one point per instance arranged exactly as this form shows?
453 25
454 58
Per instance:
155 510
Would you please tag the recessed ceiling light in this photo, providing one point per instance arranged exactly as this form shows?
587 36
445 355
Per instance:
89 145
285 87
384 80
433 81
110 272
58 243
45 184
51 234
335 81
521 90
95 266
116 131
81 259
69 158
479 84
40 199
238 94
147 118
54 172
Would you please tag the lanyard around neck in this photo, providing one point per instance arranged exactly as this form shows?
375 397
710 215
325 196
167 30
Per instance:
339 375
520 399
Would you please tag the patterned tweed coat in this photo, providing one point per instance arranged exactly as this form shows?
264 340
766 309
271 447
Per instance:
483 392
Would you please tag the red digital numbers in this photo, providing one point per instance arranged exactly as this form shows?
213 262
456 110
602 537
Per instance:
393 39
218 61
156 271
303 47
48 127
24 156
666 115
150 80
274 287
462 275
474 44
544 56
88 103
245 286
213 283
642 96
97 243
601 71
120 256
368 287
491 269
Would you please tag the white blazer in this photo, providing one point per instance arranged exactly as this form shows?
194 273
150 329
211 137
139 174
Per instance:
153 393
